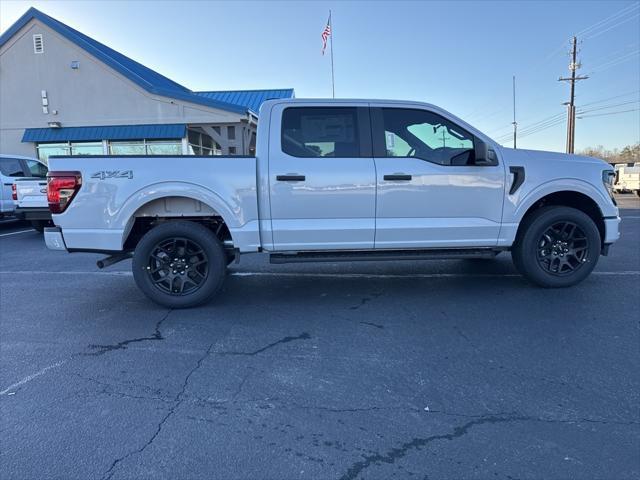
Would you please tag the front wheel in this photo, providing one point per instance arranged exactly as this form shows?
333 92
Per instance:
557 247
179 264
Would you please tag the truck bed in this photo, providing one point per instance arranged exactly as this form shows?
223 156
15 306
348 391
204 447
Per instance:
118 189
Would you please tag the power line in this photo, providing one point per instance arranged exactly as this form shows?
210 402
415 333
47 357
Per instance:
600 24
604 107
615 61
609 113
615 25
610 98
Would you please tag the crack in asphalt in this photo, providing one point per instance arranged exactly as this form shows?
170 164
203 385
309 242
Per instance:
102 349
365 300
381 327
177 401
302 336
417 443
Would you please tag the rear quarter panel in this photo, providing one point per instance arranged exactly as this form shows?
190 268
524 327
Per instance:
101 214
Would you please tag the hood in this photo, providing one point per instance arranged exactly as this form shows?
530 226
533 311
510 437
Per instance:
513 156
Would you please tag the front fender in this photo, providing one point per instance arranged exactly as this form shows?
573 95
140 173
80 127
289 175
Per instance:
521 205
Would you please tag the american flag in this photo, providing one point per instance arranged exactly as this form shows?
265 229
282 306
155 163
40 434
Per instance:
325 34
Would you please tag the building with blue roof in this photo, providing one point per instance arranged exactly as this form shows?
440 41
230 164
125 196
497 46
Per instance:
65 93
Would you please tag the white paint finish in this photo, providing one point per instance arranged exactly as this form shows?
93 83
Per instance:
612 229
323 233
440 206
31 193
333 208
225 185
54 240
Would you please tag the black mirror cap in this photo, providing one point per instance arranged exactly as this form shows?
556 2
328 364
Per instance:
483 155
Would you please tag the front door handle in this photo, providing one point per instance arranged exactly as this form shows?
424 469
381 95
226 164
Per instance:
290 178
397 176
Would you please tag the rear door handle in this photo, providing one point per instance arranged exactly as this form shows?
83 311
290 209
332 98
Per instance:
397 176
290 178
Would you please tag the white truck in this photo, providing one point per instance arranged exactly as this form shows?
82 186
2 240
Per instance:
30 198
627 178
336 180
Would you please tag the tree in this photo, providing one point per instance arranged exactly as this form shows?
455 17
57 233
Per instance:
629 154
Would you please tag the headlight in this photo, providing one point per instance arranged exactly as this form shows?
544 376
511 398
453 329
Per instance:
609 178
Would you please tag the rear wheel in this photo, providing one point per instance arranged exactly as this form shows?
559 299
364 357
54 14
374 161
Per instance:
557 247
179 264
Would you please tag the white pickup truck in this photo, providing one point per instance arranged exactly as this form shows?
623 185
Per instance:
336 180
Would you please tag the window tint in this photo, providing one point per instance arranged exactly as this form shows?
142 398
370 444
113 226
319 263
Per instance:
36 169
11 167
425 135
320 132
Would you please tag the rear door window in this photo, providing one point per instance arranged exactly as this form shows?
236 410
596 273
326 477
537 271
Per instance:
12 167
324 132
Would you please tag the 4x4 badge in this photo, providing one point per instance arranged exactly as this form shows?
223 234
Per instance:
104 174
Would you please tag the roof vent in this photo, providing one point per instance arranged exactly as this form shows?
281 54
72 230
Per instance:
38 44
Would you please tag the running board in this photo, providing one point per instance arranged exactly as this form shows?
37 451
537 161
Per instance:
382 255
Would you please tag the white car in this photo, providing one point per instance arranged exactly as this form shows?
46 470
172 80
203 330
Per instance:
336 180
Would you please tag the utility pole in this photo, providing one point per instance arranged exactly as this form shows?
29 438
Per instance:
515 124
571 109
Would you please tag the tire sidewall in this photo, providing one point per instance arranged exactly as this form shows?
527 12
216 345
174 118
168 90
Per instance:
525 254
196 233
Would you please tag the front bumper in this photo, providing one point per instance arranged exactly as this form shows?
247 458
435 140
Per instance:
611 229
53 239
35 213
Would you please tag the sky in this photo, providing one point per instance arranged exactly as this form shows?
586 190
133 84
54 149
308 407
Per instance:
458 55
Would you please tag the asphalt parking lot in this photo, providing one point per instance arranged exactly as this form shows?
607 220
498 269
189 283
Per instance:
447 369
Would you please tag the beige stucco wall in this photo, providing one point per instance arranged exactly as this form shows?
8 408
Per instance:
94 94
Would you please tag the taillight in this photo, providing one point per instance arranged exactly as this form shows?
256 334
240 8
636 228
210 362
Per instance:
61 188
14 192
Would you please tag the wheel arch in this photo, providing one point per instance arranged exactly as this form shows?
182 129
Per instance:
175 200
566 198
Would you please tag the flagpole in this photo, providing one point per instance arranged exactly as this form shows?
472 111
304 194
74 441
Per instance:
333 83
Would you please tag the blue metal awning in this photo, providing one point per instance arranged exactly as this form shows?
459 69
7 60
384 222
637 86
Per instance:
108 132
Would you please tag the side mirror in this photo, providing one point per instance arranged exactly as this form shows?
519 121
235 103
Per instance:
483 155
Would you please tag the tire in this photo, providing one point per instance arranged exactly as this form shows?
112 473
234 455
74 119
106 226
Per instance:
556 247
179 264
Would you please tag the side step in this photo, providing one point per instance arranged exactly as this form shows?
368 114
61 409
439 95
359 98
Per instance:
381 255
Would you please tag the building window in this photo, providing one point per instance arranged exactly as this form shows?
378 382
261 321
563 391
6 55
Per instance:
164 147
231 133
146 147
45 150
135 147
202 144
86 148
